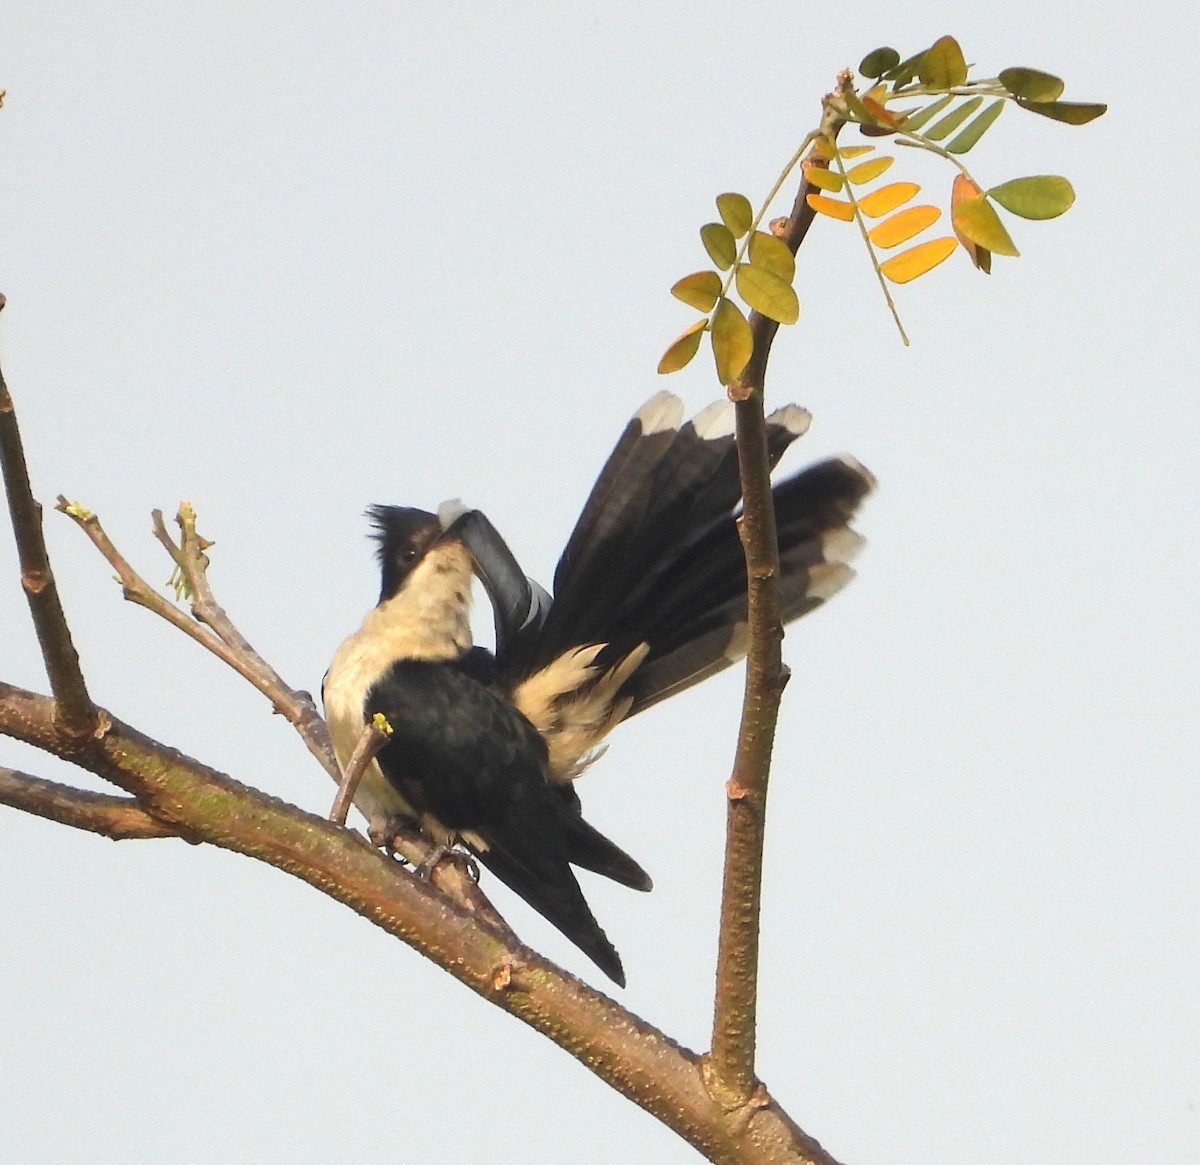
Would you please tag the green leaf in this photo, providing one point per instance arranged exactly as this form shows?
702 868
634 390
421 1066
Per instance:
977 219
919 117
700 290
732 341
948 124
1032 84
903 72
772 255
879 61
679 354
736 213
943 64
1071 112
764 291
977 128
720 244
1043 196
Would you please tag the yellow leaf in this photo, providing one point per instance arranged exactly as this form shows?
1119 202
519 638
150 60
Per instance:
868 171
732 341
834 207
772 254
822 178
887 198
736 213
824 148
679 354
699 290
768 294
977 219
719 242
903 226
910 264
855 151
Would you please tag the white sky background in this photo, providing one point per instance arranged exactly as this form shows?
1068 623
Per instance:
288 260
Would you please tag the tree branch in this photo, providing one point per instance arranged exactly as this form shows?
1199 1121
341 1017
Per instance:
632 1056
226 643
76 715
118 818
729 1068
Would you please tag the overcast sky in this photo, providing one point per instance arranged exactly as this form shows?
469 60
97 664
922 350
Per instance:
286 260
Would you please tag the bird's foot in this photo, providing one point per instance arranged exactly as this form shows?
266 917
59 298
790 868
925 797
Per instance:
424 870
386 832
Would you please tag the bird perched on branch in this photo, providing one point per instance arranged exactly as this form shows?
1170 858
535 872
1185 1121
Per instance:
649 598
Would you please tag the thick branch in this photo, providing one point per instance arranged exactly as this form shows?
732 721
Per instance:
632 1056
730 1067
76 715
119 818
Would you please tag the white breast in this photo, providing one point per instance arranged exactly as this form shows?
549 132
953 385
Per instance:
427 619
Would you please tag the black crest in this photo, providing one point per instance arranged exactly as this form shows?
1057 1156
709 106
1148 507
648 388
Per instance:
404 534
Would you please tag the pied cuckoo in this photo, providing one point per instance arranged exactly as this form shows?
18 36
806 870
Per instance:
649 598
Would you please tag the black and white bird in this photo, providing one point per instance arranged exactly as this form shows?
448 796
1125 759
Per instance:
649 598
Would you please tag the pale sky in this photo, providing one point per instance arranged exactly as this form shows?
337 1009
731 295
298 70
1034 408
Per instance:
288 260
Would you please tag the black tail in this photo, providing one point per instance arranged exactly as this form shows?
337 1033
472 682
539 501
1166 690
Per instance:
546 881
655 556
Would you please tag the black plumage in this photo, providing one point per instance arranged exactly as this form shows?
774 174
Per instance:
649 598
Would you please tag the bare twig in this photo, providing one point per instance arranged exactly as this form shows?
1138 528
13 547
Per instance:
295 706
729 1068
374 734
119 818
76 715
632 1056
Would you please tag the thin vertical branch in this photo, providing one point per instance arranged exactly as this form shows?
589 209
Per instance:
75 714
729 1069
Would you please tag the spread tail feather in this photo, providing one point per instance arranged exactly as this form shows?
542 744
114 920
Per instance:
655 569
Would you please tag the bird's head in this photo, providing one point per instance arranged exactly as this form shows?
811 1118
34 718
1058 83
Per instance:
406 537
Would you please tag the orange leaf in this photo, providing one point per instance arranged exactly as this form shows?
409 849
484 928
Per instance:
887 198
879 113
962 190
903 226
914 262
834 207
869 170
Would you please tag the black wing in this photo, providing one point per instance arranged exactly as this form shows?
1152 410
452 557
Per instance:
461 753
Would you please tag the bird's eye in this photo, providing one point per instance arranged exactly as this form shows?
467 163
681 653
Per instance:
409 553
